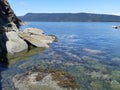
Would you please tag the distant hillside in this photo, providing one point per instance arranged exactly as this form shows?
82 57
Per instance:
70 17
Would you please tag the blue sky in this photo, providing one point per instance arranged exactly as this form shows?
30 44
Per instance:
21 7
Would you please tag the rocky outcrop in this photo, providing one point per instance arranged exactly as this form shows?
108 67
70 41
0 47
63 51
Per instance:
36 37
15 43
44 79
7 15
14 40
18 40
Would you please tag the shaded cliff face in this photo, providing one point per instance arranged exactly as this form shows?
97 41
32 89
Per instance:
7 15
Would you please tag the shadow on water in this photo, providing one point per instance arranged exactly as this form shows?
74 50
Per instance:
3 56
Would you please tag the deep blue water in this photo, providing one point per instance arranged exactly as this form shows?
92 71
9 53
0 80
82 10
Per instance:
77 41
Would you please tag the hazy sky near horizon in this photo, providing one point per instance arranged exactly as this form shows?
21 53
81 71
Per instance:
21 7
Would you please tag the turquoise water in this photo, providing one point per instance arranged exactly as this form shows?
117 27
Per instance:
90 51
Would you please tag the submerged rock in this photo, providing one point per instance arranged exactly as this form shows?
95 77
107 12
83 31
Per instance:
43 79
93 51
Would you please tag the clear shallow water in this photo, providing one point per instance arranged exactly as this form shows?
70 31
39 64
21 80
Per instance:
89 51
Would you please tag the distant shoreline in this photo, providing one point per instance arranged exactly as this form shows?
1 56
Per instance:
69 17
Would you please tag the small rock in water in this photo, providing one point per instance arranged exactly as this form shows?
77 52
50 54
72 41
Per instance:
54 37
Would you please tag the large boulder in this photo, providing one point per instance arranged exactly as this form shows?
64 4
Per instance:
14 43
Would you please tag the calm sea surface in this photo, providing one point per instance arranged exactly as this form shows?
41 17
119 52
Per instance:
90 51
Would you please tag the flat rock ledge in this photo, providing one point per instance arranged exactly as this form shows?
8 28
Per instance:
44 79
14 40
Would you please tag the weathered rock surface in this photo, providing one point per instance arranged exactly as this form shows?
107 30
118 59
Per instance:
36 38
30 83
45 80
34 31
15 44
